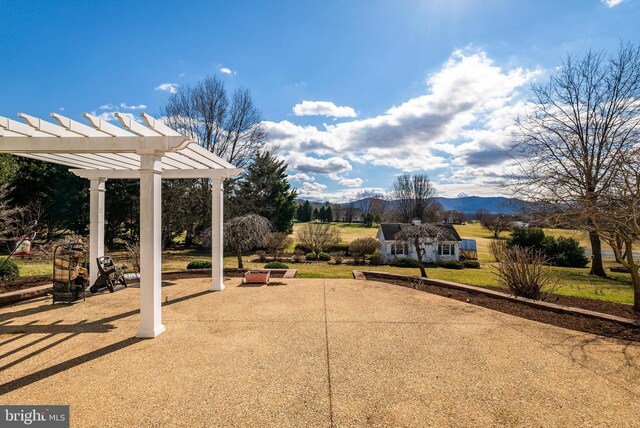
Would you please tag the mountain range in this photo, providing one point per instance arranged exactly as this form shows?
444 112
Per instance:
465 204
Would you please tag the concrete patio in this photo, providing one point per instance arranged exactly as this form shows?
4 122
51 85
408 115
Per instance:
311 353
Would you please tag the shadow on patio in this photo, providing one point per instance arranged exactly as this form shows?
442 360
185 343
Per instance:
56 328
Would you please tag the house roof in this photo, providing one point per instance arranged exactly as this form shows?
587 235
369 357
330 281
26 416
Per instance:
389 230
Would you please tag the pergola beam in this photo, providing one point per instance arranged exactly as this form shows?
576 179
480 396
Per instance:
167 174
140 145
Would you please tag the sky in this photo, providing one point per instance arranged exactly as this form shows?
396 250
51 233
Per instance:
352 93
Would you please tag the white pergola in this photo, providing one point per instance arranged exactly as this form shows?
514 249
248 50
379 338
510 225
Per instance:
149 152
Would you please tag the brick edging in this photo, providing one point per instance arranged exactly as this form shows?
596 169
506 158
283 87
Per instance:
25 294
500 295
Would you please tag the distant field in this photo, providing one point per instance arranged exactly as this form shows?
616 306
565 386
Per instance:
348 232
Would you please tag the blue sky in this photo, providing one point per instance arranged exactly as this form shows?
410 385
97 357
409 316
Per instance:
353 92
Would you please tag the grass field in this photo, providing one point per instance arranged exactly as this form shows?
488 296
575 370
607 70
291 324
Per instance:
573 282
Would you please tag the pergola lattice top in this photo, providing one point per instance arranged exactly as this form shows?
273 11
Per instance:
102 149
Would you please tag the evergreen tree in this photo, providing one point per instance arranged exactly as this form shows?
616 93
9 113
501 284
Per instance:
322 214
316 213
304 212
264 190
63 197
329 214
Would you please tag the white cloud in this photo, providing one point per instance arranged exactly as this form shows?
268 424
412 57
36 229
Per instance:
464 112
323 108
226 70
300 177
61 108
611 3
106 107
168 87
351 182
318 192
306 164
133 107
110 116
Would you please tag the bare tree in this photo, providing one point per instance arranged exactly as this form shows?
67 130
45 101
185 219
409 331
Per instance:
577 128
378 208
229 128
420 236
496 223
245 233
318 237
414 197
616 218
338 212
349 211
8 214
276 243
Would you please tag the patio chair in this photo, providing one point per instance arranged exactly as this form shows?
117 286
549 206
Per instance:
110 275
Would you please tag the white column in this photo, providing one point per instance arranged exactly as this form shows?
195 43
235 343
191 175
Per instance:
217 225
96 225
150 247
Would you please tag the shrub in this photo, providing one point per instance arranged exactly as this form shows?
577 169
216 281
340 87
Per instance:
376 259
450 264
262 256
338 257
497 249
569 253
199 264
527 237
565 252
9 271
325 257
133 255
360 247
318 237
311 257
342 246
298 256
471 264
276 243
276 265
407 262
301 248
523 272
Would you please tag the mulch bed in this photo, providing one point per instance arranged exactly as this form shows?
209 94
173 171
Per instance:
24 282
570 321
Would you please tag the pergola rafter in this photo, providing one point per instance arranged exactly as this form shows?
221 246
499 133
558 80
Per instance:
148 151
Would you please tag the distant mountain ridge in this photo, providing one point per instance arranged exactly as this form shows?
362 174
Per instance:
465 204
471 204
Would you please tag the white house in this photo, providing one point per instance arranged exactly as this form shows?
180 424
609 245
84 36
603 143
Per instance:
436 251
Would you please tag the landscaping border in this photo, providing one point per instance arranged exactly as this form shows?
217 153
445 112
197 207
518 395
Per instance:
418 283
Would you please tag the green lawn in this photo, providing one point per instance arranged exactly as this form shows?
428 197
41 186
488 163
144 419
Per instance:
574 282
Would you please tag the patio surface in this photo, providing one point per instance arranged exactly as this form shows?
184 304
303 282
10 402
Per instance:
315 353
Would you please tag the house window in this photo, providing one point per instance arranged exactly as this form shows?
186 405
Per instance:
399 248
446 250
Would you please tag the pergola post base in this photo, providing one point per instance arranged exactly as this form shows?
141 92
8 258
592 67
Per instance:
217 229
150 333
